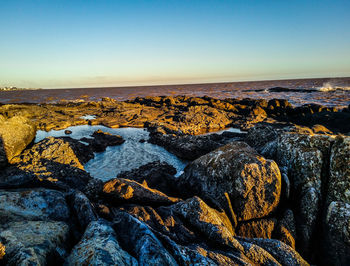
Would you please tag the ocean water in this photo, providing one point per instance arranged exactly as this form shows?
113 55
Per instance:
116 159
334 92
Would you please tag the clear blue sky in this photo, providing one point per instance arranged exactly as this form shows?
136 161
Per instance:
59 43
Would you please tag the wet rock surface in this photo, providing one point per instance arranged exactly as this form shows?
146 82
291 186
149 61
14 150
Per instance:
264 197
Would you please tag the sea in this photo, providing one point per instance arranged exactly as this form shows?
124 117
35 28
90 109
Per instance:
332 92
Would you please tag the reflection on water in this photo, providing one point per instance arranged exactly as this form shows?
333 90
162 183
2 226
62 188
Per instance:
131 154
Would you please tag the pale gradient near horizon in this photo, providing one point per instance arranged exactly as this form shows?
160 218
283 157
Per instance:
57 44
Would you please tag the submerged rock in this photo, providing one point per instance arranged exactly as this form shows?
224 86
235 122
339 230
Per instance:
99 246
101 140
244 183
15 134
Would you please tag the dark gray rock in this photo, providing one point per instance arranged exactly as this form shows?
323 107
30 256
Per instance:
336 239
83 209
99 246
34 242
138 240
33 204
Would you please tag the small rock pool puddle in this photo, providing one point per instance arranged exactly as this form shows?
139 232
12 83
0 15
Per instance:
116 159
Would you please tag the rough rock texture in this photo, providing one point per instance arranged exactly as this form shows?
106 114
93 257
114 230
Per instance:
99 246
336 242
235 176
32 204
34 242
84 211
262 228
2 251
16 133
305 157
3 157
56 161
189 147
139 241
210 222
120 190
101 140
339 176
158 175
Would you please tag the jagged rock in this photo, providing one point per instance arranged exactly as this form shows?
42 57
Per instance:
262 228
286 231
16 133
2 251
336 238
120 190
339 175
213 224
33 204
192 147
99 246
101 140
34 242
283 253
235 175
158 175
12 177
57 162
83 209
139 240
305 158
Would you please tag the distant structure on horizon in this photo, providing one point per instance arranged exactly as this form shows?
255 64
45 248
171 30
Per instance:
13 88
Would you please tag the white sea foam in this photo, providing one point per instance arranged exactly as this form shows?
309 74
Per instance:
331 87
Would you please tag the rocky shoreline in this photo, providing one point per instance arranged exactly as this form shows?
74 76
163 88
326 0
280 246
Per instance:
276 194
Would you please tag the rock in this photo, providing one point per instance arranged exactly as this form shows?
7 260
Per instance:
34 242
235 176
262 228
16 133
138 239
215 225
12 177
189 147
283 253
158 175
101 140
83 209
336 238
120 190
68 132
305 158
33 204
286 229
2 251
3 157
56 162
99 246
339 175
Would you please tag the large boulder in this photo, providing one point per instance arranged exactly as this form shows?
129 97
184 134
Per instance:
120 190
158 175
15 134
336 239
243 183
138 239
339 175
99 246
57 161
33 204
34 242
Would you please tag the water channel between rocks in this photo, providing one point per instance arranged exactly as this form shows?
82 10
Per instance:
130 155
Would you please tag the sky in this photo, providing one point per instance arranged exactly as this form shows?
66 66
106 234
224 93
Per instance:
69 44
